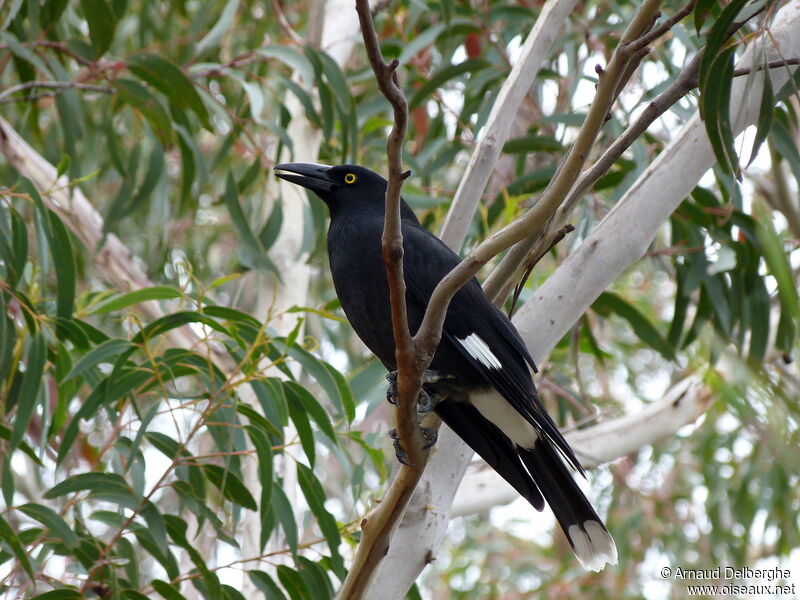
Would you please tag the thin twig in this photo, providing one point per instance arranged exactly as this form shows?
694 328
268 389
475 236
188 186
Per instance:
773 64
530 263
57 85
655 33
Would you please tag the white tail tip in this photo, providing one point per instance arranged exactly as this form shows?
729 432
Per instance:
593 545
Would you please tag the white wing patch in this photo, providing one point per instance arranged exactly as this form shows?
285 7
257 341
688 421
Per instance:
496 409
478 350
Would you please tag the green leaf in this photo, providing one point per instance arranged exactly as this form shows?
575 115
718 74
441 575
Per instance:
315 577
60 250
29 390
264 456
444 75
327 377
335 78
221 27
120 301
18 250
717 37
304 431
95 482
167 590
8 484
701 11
62 594
765 113
285 514
715 110
63 165
171 81
177 531
266 585
782 137
5 434
292 59
297 393
325 314
230 485
315 496
420 42
533 143
11 14
759 309
240 223
102 24
293 583
609 302
12 541
127 202
141 100
53 521
778 264
8 338
99 354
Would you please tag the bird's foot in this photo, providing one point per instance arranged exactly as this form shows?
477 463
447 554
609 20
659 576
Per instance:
402 455
429 437
427 402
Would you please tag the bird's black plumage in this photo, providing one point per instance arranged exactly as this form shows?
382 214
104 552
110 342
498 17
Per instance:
489 397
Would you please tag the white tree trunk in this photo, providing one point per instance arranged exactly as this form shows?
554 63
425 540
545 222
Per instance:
620 239
498 125
340 33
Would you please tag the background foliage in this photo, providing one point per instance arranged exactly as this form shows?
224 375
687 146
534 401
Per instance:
124 454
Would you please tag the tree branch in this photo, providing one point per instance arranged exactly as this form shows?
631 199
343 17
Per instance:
429 334
690 155
626 232
55 85
378 526
509 271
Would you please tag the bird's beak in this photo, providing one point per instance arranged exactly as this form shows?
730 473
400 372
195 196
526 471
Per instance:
311 176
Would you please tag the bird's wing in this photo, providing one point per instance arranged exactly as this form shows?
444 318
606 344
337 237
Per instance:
479 332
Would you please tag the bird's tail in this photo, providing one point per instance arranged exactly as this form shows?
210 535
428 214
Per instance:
587 535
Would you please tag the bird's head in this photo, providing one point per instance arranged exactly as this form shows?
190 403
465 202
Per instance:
338 185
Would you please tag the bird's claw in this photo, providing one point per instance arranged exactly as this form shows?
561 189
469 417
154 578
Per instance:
427 401
429 436
400 454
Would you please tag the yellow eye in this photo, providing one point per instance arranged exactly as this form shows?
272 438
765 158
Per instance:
349 178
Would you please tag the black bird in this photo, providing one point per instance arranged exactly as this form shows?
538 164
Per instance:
484 388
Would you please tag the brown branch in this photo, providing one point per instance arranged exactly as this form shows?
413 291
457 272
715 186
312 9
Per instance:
655 33
773 64
502 279
379 525
56 85
683 84
428 336
530 262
